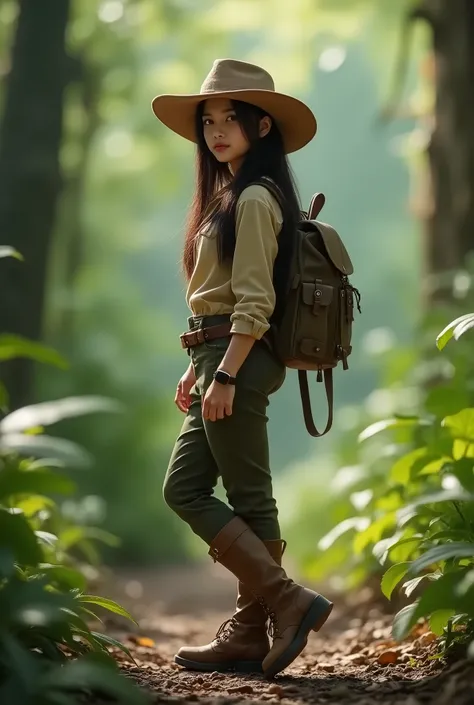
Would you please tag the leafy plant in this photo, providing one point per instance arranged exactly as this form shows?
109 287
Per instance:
414 490
48 653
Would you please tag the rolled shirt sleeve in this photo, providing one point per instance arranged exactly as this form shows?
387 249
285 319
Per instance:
256 247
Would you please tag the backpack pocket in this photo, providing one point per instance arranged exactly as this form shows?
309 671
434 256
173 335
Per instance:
318 321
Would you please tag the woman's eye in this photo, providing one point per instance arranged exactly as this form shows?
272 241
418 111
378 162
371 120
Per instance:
231 117
207 121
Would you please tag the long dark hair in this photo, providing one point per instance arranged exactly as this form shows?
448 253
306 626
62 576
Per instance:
266 158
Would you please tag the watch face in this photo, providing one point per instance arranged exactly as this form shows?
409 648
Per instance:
221 377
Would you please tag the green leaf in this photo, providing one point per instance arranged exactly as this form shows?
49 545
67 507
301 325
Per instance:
392 577
410 586
402 622
52 412
13 346
439 620
107 640
401 470
46 446
357 523
442 553
455 495
461 425
46 537
39 482
107 604
444 400
391 424
17 537
6 251
455 329
7 563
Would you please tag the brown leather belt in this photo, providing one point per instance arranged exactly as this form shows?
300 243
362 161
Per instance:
202 335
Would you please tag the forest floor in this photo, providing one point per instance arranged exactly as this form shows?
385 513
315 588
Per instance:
352 660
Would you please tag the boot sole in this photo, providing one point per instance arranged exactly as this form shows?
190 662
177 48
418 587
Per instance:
314 619
232 666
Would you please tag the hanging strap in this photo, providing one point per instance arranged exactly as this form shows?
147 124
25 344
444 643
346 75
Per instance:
306 401
316 205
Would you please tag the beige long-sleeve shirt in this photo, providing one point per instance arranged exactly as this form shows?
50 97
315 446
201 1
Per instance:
243 287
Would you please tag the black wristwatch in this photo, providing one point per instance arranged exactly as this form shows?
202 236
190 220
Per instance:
224 377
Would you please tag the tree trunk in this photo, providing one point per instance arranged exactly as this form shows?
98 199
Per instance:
450 234
30 139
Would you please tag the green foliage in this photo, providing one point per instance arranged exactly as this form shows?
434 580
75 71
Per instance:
44 606
413 489
455 329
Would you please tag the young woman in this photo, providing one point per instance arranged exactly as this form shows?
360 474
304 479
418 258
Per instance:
239 231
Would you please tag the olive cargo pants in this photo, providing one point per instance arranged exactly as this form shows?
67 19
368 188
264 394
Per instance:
234 448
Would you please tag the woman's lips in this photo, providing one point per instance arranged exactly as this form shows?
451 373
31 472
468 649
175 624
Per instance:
221 147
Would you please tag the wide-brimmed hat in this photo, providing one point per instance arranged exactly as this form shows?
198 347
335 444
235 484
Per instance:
239 80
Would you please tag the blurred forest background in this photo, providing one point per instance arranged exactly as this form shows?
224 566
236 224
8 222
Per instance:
94 193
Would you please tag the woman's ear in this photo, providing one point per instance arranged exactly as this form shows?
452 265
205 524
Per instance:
265 126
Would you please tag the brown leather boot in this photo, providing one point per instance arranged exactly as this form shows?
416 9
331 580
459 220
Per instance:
293 609
241 643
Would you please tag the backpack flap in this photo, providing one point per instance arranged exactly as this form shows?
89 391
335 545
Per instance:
335 248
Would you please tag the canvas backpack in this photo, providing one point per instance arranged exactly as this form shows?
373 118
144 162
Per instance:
315 330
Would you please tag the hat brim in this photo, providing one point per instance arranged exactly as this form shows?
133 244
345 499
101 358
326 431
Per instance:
295 120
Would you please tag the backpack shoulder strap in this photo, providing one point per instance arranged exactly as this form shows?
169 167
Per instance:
306 401
316 205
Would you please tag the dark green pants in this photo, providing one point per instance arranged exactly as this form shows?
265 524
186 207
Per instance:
234 448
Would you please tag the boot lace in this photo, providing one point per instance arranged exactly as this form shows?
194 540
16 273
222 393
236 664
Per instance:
273 630
226 629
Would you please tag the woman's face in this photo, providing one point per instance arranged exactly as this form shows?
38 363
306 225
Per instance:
222 131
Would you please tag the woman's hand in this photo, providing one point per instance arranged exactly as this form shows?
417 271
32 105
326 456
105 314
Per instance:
182 398
218 401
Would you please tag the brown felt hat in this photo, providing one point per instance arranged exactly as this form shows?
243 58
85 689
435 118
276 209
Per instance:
239 80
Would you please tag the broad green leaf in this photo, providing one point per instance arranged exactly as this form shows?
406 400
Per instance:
107 640
392 577
357 523
391 424
34 504
107 604
17 537
45 446
461 425
439 620
46 537
401 470
13 346
462 449
74 535
374 532
6 251
442 553
402 622
51 412
450 331
39 482
410 586
465 584
444 400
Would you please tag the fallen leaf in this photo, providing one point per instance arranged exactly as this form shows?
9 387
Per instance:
145 641
388 657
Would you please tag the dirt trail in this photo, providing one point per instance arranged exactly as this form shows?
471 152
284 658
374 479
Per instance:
352 661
